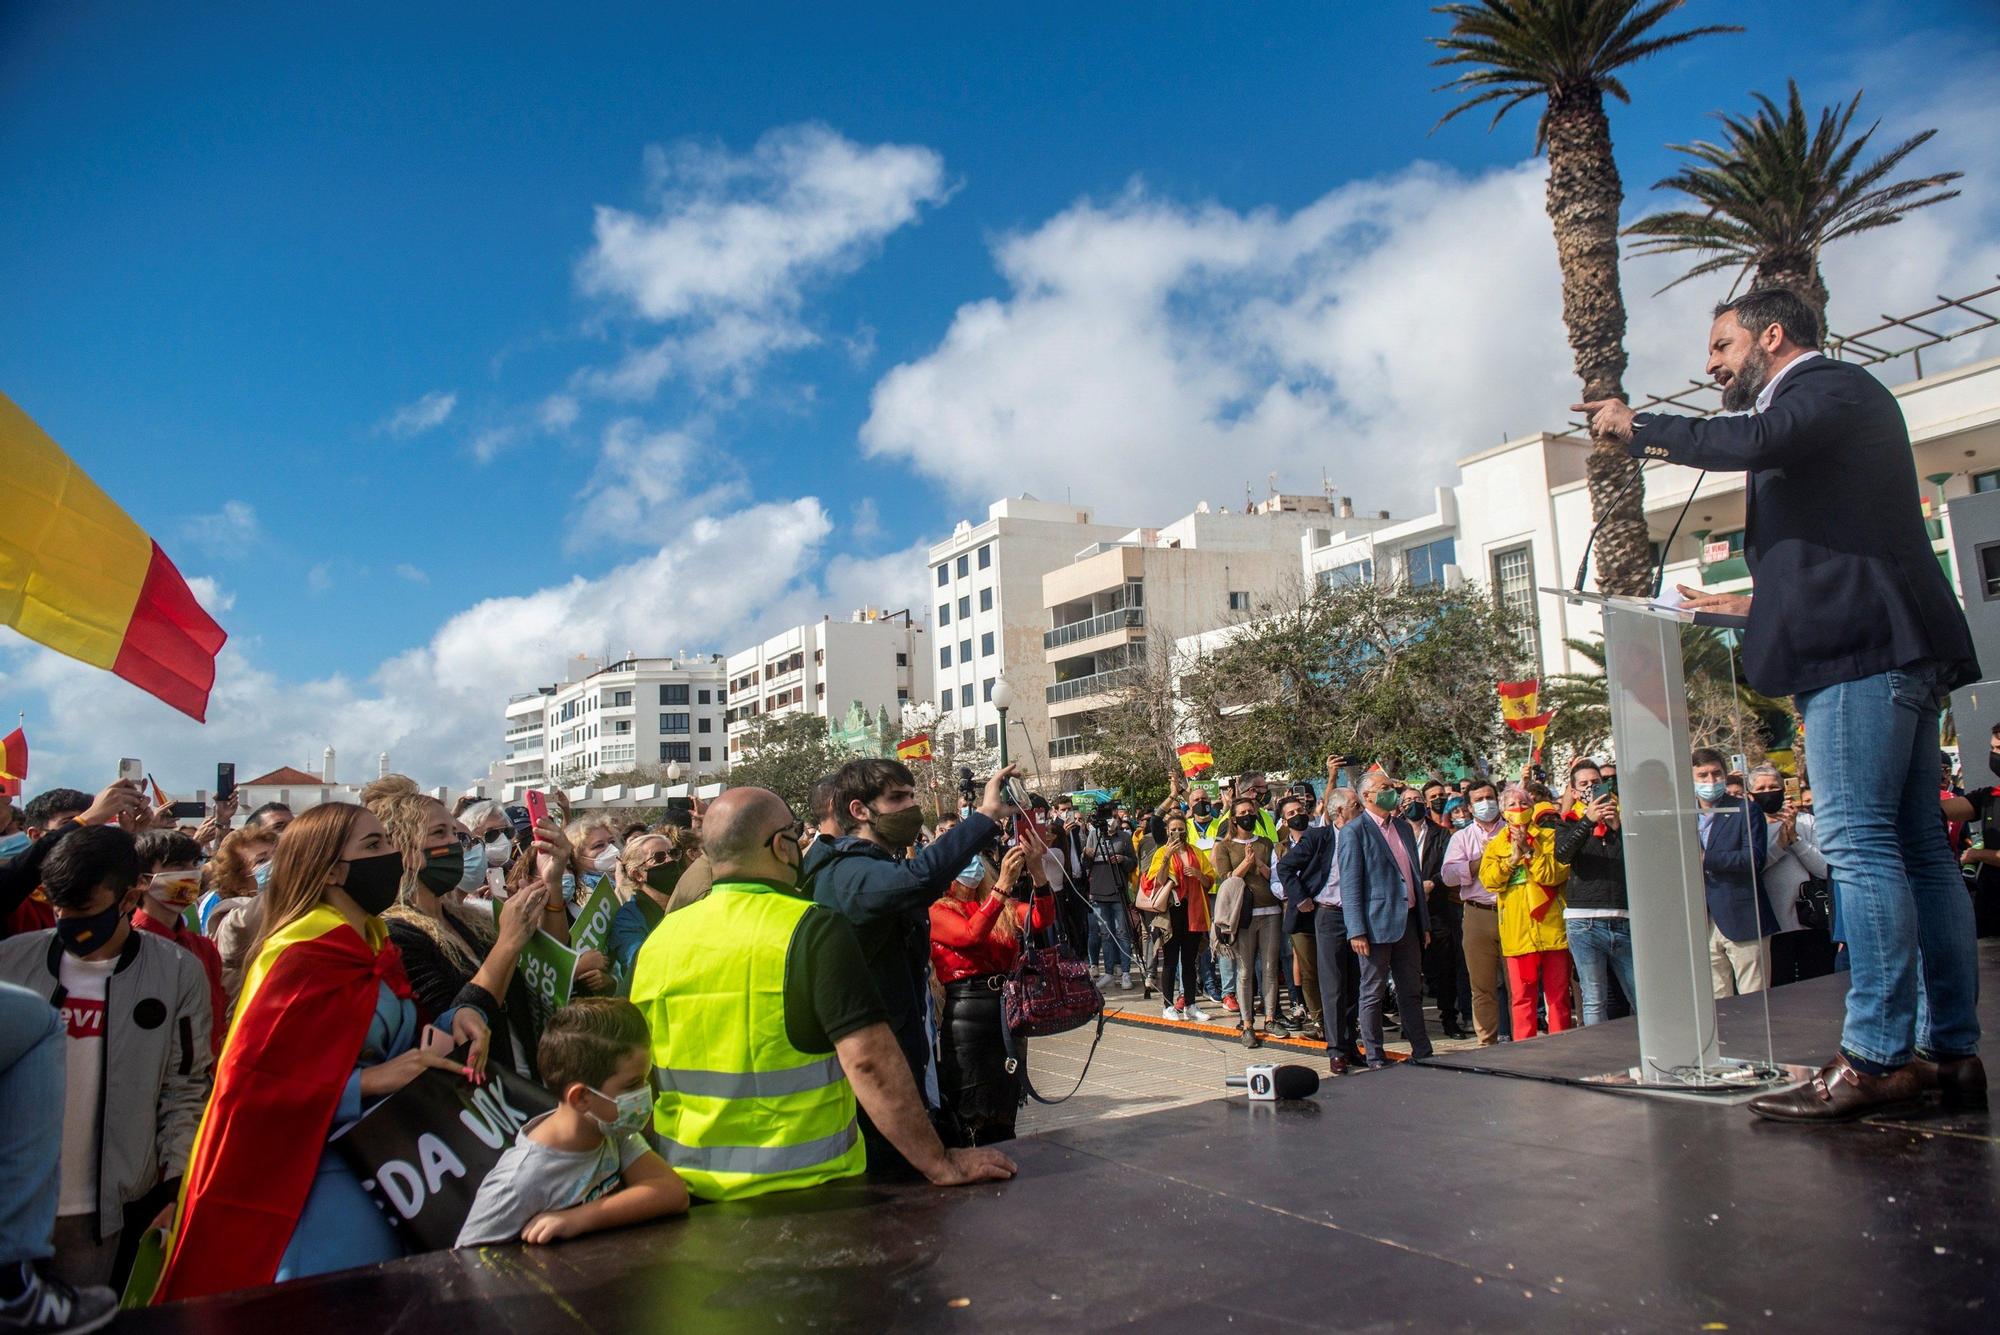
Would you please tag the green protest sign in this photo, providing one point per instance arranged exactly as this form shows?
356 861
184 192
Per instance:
592 927
548 967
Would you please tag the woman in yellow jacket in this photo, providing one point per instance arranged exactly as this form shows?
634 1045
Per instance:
1520 867
1179 878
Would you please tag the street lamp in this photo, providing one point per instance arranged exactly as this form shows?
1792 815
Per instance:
673 772
1003 700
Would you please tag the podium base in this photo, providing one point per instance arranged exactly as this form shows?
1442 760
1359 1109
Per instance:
1726 1081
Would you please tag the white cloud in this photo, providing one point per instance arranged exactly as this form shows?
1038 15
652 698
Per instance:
413 419
719 583
557 413
406 571
320 578
1150 354
733 242
490 443
230 531
866 524
649 484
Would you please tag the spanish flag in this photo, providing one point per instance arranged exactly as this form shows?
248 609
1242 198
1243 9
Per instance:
1196 759
300 1025
914 748
13 763
77 575
1517 708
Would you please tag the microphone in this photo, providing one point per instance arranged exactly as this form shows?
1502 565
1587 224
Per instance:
1267 1082
1583 566
1660 571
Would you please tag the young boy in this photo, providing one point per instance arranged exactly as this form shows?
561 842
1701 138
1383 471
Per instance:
138 1061
585 1166
170 875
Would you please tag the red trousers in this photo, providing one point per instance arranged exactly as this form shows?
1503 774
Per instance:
1543 976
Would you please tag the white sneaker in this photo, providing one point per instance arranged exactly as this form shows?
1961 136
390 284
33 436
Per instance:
1125 981
1195 1013
1170 1013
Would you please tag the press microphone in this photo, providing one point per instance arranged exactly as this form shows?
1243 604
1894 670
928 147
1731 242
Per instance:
1583 566
1267 1082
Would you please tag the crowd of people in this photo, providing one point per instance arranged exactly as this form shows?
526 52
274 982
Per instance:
781 999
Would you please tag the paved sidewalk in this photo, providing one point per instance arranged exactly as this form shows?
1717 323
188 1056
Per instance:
1144 1064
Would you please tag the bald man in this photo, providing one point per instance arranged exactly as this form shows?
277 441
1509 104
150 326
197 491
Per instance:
759 1084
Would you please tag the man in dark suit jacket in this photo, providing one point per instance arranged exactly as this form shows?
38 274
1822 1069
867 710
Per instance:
1388 922
1304 871
1740 921
1853 615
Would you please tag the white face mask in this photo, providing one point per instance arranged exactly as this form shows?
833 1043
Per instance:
633 1107
607 861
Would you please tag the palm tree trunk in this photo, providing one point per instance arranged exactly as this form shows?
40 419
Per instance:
1801 274
1584 198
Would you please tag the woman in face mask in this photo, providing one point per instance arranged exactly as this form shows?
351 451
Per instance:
649 873
492 846
1520 867
231 910
447 949
594 855
326 1027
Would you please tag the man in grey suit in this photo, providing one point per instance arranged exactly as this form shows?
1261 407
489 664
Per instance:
1388 922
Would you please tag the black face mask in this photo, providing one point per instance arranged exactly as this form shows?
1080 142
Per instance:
1297 824
82 935
662 879
1246 823
1201 808
372 883
1769 803
1437 805
1993 763
442 870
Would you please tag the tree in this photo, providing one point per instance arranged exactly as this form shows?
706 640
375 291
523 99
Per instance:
937 778
1391 673
1777 191
1135 738
1568 53
1723 712
788 754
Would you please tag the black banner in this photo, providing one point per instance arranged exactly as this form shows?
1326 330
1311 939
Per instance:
423 1151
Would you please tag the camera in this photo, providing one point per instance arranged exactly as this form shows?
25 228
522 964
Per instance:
967 788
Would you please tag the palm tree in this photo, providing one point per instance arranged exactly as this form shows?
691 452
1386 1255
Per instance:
1568 53
1778 190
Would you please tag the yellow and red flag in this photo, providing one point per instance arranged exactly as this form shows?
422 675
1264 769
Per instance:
307 1002
1196 759
13 763
914 748
1517 708
78 575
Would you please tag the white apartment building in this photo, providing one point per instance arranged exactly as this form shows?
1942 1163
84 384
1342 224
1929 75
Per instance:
879 660
1206 570
618 716
986 580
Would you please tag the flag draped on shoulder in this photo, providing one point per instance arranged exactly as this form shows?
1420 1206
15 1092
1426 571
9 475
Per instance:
300 1025
78 575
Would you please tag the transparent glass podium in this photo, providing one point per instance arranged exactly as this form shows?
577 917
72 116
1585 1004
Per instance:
1680 1046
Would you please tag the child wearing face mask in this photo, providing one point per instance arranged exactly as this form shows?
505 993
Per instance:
170 867
585 1166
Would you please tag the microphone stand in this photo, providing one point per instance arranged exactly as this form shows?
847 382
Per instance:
1583 566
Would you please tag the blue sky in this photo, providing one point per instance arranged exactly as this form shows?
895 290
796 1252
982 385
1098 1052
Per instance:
438 347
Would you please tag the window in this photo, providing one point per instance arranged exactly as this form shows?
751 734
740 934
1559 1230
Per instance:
986 645
944 575
671 723
621 727
944 655
902 660
964 566
965 696
944 614
902 695
986 690
1424 565
1239 600
701 697
620 698
965 651
674 751
965 607
1514 590
703 725
1989 570
1354 572
1986 481
703 753
993 734
985 555
673 695
944 702
986 600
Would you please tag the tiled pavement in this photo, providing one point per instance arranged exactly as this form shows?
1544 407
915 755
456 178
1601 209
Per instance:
1145 1064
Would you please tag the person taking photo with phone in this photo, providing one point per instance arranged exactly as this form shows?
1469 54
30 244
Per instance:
1591 843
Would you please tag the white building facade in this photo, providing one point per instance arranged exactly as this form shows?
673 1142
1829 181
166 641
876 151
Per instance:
632 713
879 660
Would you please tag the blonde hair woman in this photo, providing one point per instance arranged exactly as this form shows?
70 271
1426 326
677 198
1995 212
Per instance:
648 875
231 913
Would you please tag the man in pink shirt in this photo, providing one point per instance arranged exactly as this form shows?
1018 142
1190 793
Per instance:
1388 922
1481 929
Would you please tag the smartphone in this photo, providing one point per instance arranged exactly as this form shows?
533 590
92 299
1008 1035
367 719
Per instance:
1016 794
132 771
1792 789
225 781
537 803
188 810
1603 788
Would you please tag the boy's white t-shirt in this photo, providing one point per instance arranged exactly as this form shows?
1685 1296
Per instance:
83 983
532 1178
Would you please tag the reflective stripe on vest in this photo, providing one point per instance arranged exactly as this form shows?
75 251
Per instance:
751 1084
756 1160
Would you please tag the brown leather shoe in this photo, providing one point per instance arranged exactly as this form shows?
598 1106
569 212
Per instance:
1961 1081
1839 1093
1336 1063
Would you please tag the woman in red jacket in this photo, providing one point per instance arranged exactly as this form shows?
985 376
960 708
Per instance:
975 940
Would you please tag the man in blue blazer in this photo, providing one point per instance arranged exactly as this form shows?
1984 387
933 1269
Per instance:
1853 616
1312 906
1388 922
1740 921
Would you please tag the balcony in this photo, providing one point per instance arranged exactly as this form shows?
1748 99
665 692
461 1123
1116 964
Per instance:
617 711
1063 748
1123 618
531 730
1097 683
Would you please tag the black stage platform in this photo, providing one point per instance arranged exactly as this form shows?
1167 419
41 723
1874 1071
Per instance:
1423 1197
